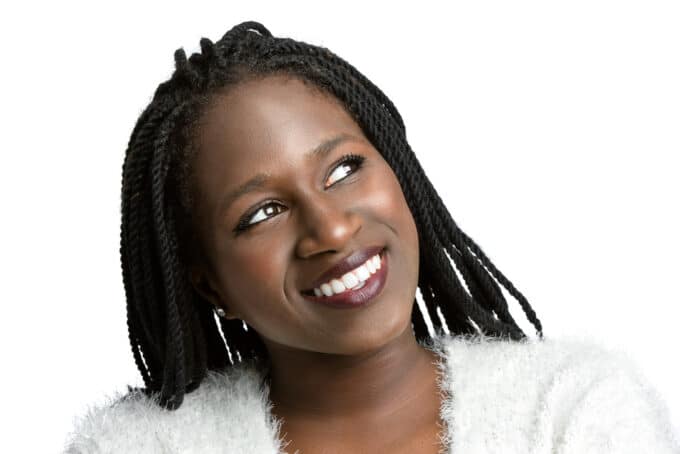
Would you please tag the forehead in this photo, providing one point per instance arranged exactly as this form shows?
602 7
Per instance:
272 109
264 125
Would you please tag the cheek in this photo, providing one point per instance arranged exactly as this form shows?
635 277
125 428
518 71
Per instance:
388 200
253 281
389 203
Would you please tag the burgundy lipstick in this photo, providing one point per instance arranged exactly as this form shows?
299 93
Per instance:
356 297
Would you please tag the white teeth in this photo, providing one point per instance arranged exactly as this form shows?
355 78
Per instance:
361 284
363 273
326 289
371 266
354 279
350 280
338 286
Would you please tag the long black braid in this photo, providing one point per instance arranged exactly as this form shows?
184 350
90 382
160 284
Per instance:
174 334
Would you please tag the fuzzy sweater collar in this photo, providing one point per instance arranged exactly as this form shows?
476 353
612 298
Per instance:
526 397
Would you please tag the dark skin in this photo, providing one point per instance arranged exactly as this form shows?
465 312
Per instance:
343 380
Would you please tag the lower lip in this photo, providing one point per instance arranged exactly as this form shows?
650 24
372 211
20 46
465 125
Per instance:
359 297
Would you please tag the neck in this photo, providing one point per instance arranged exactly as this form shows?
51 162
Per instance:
374 384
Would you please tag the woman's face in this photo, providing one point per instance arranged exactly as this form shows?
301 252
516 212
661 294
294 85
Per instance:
306 213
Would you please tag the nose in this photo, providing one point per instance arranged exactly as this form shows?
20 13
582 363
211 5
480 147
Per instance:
326 226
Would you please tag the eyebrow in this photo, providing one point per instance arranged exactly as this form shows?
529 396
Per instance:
261 179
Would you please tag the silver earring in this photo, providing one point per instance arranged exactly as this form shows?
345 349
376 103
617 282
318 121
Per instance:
220 312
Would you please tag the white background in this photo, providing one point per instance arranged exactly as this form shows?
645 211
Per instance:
552 132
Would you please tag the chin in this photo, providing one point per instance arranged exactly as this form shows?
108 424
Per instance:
370 338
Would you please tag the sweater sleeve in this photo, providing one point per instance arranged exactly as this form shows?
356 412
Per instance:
620 413
227 413
123 423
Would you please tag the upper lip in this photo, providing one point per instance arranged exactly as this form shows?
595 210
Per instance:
346 264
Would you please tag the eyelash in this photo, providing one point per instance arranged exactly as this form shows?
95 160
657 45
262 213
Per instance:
243 223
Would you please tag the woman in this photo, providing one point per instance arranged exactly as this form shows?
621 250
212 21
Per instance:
270 183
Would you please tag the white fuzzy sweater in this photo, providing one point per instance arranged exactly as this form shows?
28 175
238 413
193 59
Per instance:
528 397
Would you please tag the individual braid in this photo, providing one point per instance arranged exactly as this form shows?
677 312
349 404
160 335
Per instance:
418 322
174 383
142 307
174 334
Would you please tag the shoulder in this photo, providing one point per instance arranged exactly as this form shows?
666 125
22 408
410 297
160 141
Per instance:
226 413
570 394
537 357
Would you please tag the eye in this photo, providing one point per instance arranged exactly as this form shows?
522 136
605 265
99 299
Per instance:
341 170
260 214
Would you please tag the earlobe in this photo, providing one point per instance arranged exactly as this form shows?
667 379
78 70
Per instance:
225 314
203 287
200 283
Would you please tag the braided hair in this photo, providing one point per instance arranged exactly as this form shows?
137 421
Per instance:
174 334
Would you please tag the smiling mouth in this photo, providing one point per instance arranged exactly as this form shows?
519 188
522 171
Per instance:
353 279
367 284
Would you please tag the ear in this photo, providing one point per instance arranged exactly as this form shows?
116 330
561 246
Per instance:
202 284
